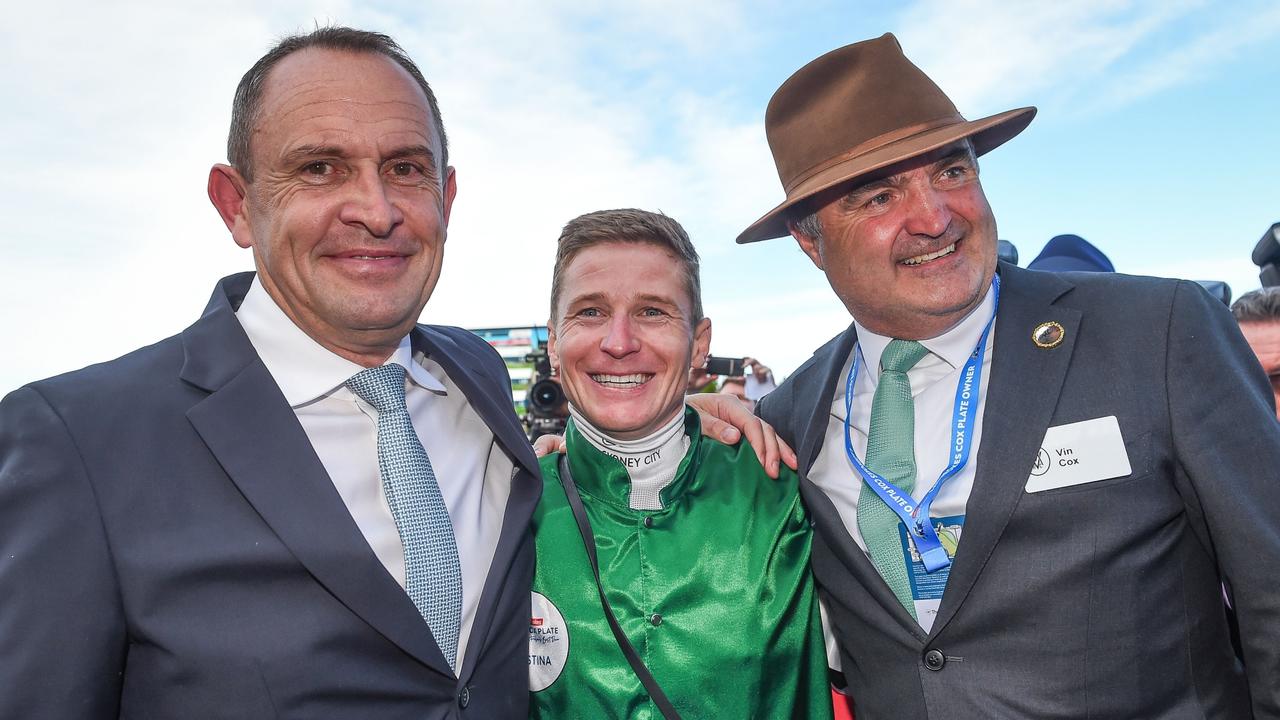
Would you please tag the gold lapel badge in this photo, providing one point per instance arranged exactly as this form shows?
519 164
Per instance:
1048 335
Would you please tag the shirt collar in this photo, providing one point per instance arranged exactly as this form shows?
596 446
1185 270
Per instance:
304 369
953 346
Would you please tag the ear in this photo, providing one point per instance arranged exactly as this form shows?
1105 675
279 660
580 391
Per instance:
810 245
553 356
227 192
450 189
701 343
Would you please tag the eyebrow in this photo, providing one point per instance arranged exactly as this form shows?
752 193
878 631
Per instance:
597 297
590 297
413 151
961 152
658 300
305 152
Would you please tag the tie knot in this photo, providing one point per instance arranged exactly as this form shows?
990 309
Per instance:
382 387
902 355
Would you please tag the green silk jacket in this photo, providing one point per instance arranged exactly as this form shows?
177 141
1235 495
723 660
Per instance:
713 591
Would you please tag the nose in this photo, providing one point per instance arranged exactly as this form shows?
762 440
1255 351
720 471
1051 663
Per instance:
370 206
927 210
620 339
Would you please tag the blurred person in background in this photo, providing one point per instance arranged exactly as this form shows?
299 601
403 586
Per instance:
759 379
736 386
1071 253
1258 313
703 559
749 388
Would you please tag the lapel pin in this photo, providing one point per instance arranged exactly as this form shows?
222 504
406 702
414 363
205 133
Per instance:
1048 335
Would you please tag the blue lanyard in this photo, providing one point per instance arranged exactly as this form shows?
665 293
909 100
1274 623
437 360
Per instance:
964 412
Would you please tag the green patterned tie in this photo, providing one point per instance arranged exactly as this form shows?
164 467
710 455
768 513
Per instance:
891 440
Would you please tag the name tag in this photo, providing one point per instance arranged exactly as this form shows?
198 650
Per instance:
927 587
1079 453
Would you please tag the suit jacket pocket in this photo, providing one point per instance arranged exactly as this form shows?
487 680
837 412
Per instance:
1138 449
159 685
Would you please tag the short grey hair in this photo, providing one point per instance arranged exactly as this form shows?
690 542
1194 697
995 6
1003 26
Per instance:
247 105
1258 306
810 225
627 225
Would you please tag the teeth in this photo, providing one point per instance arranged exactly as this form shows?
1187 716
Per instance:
622 381
370 257
931 256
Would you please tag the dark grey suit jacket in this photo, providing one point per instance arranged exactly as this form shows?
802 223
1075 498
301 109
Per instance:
172 547
1100 600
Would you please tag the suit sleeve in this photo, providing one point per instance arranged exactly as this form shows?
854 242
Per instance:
1227 444
62 636
777 409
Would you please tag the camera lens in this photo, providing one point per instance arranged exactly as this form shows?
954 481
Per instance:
545 397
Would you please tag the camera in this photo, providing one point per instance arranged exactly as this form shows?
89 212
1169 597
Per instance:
546 409
733 367
1266 255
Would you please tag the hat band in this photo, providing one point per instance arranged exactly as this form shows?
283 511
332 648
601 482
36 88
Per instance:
874 143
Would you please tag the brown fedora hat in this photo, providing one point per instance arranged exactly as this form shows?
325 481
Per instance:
859 109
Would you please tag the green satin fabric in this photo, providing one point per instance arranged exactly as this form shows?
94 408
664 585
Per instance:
725 564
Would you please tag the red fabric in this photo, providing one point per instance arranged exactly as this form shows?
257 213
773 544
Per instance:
843 705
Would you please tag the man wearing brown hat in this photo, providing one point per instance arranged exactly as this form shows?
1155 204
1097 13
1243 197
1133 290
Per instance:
1030 489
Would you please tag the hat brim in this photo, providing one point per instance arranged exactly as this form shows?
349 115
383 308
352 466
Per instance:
987 134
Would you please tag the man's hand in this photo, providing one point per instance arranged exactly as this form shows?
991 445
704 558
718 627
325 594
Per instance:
758 369
547 444
725 418
699 379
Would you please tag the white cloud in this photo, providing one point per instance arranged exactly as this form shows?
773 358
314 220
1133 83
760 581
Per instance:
1224 37
1099 54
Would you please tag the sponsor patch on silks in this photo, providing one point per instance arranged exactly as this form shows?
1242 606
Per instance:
548 643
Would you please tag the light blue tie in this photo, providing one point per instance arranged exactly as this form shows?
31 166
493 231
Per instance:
433 577
891 452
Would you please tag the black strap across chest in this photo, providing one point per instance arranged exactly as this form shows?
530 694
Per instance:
589 540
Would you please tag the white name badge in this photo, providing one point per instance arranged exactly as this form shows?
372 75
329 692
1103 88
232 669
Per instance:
1079 453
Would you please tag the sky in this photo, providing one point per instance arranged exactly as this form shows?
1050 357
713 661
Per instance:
1156 140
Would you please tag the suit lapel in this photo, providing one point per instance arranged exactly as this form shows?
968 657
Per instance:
828 362
1025 384
829 366
489 396
256 438
467 369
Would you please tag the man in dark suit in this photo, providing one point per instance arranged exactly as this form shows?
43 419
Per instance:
305 505
1031 490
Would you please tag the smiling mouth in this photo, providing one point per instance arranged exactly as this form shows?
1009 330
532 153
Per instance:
930 256
622 382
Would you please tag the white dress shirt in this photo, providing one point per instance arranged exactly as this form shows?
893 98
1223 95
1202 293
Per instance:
474 473
933 390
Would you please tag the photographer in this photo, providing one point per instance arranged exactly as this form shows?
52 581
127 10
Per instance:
749 387
1258 313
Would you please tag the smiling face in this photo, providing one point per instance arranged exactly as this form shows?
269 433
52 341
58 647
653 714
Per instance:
911 252
348 207
624 338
